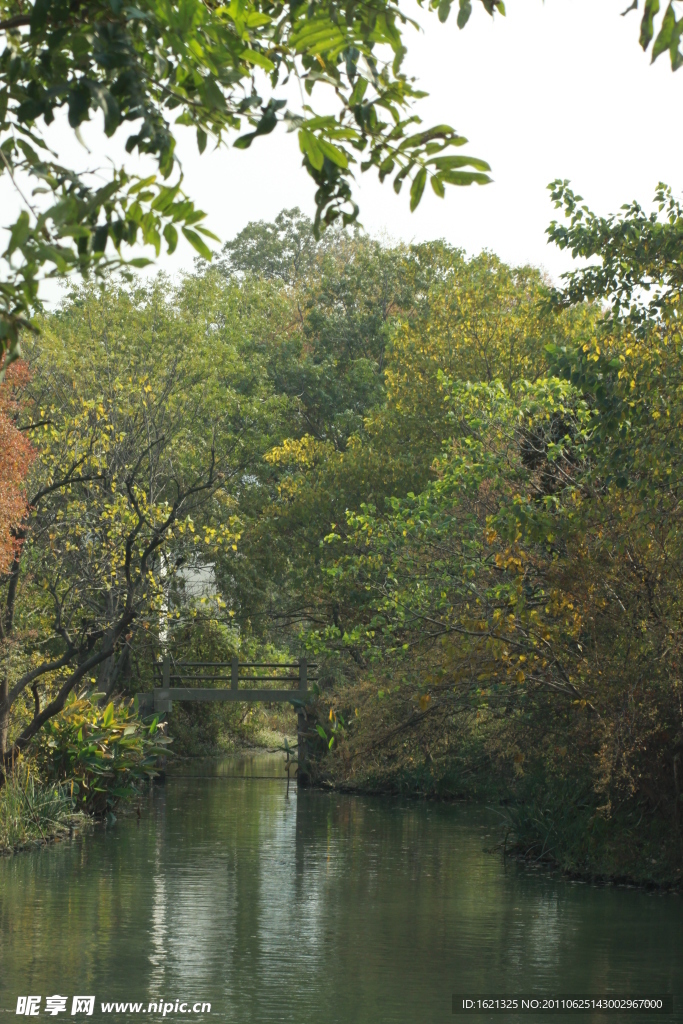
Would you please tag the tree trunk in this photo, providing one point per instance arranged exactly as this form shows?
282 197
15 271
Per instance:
118 673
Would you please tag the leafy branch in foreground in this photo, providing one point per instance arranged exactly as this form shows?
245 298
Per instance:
203 66
668 38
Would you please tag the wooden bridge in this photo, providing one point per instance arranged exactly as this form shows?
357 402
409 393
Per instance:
245 679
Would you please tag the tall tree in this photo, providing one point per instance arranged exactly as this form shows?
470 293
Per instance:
537 575
141 451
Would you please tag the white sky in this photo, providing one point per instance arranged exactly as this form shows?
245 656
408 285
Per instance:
556 89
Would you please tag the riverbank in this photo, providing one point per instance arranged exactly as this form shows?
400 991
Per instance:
553 822
611 865
614 861
555 805
559 826
33 815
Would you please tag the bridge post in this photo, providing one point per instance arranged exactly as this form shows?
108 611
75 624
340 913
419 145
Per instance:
234 674
162 701
302 752
163 706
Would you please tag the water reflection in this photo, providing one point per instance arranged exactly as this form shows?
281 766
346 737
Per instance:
315 906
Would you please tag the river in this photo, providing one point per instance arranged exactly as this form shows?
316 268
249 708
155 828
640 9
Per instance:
278 906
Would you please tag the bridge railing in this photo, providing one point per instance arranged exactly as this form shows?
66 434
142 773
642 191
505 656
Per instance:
245 681
242 677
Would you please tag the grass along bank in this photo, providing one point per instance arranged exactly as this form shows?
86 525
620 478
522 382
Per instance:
33 813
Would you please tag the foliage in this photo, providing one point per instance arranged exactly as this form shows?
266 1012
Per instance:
285 250
133 479
31 812
668 33
558 819
16 455
196 65
456 485
100 755
638 270
398 320
534 580
216 70
199 728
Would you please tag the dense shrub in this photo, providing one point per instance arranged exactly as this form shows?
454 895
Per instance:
100 755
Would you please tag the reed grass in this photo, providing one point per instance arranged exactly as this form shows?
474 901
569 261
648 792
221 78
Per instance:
32 813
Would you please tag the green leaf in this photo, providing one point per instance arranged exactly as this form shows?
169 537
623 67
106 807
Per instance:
78 100
333 153
401 176
665 35
358 92
647 24
437 186
266 124
142 184
213 94
465 178
208 233
256 19
197 242
386 167
447 163
417 188
39 15
257 58
439 131
19 233
100 236
171 236
108 716
309 145
464 13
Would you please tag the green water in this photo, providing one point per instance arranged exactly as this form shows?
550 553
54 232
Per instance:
302 907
